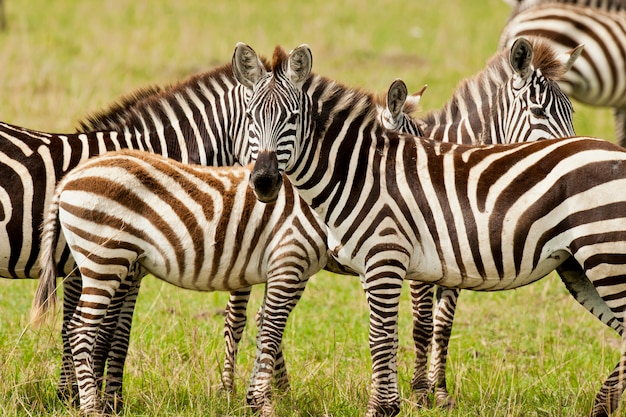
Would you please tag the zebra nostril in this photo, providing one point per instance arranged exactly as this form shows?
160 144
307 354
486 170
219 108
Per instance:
266 186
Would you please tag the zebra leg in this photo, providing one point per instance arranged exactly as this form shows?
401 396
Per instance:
444 317
67 388
422 308
83 331
234 323
620 126
281 378
383 297
281 296
602 295
125 300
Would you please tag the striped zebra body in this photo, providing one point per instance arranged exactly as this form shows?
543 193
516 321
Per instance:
597 78
199 228
462 216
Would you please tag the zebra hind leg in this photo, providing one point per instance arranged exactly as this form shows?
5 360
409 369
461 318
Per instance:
124 300
443 320
422 309
83 332
67 388
601 295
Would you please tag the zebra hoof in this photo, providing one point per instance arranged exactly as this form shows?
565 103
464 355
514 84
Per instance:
444 400
422 398
261 405
69 394
383 410
113 403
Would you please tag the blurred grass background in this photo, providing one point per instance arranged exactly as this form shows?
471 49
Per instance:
530 352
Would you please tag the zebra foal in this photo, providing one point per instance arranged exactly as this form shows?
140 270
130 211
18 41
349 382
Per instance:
196 227
474 217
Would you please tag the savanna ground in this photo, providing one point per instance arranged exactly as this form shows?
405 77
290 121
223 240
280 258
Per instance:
530 352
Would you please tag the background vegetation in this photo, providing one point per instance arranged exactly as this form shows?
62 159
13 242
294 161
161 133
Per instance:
530 352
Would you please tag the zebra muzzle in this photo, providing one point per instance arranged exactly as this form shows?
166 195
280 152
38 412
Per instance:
266 179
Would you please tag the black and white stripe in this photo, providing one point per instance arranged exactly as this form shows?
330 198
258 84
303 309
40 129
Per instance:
475 217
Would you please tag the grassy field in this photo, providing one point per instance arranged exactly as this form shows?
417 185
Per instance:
530 352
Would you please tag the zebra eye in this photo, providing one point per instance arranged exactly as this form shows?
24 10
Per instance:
292 118
539 112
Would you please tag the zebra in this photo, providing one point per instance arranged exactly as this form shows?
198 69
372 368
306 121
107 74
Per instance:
153 117
286 254
481 217
131 213
474 115
598 77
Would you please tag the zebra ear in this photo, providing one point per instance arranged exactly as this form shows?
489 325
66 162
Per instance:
247 67
570 56
396 96
414 99
521 57
300 63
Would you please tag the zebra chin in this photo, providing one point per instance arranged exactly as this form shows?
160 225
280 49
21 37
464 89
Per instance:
266 179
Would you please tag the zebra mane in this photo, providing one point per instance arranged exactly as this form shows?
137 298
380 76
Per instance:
114 117
497 72
108 119
279 60
333 95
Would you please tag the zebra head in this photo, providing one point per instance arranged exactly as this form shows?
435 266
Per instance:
275 112
534 107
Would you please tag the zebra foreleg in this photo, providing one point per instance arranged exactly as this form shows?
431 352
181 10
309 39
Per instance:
383 297
234 324
422 308
281 296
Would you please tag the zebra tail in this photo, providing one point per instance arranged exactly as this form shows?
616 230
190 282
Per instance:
45 296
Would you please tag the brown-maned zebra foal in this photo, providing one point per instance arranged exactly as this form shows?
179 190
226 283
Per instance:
196 227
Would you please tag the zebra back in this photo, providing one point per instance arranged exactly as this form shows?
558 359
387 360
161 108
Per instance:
607 5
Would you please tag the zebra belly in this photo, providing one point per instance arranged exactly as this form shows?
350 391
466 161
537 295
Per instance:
492 281
227 276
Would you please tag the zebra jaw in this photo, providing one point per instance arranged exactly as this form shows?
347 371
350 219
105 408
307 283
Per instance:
266 179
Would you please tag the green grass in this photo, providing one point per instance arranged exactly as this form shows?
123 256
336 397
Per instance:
530 352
